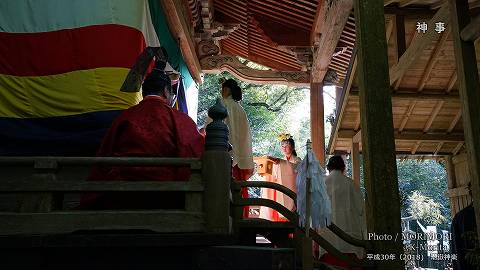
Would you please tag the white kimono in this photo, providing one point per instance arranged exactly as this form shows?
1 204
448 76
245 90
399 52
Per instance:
239 135
348 212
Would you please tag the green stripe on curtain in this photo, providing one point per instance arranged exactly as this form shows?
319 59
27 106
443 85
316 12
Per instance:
168 41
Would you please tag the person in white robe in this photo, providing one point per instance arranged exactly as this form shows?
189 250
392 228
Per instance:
348 210
283 173
239 135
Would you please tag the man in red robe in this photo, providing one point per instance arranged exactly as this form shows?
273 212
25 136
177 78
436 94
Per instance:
150 129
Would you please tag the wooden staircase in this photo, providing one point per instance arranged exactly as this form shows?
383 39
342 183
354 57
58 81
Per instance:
287 234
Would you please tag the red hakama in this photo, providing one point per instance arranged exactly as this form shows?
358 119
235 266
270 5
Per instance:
243 175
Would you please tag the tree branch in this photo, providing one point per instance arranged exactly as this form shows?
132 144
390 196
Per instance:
265 105
285 93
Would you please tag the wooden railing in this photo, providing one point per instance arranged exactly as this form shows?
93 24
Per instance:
292 217
43 184
38 182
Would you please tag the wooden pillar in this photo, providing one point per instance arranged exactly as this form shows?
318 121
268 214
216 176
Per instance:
338 97
468 82
450 168
317 121
355 154
216 172
378 146
400 35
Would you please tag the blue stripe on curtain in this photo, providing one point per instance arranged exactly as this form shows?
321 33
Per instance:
181 99
75 135
175 57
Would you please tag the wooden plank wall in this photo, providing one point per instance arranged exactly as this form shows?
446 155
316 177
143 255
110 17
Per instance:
458 180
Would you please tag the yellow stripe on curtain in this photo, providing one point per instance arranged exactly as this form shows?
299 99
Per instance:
65 94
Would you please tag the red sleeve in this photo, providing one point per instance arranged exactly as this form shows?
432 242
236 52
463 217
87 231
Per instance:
190 142
99 173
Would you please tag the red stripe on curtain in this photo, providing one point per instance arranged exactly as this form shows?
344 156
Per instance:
56 52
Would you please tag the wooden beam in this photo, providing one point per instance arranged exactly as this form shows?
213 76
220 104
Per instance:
458 191
411 106
439 147
389 28
358 121
343 100
417 46
452 82
280 18
76 185
280 36
334 21
405 3
162 221
434 114
357 137
230 63
317 121
425 156
457 148
429 137
275 12
433 137
471 32
383 200
433 59
338 97
399 81
265 57
400 35
469 83
388 2
318 23
450 167
455 121
355 154
472 4
175 15
415 147
288 8
409 94
410 12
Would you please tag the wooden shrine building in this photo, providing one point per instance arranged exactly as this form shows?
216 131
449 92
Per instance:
407 80
407 88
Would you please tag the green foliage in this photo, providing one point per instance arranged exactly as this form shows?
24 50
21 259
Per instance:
428 178
425 209
268 107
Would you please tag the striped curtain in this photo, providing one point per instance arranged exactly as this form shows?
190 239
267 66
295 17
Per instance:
61 67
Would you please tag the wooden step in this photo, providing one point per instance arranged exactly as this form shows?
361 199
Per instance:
276 232
263 223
